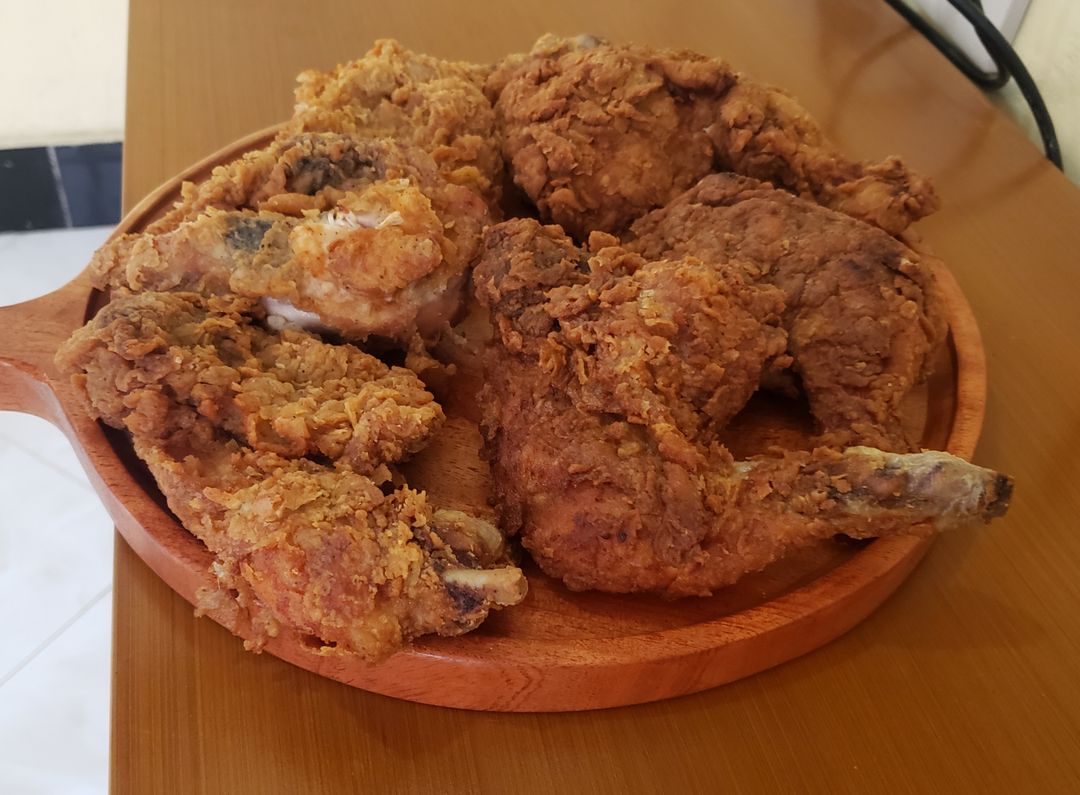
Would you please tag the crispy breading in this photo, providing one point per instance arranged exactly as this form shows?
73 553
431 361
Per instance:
396 93
597 134
863 312
763 132
367 239
325 551
305 171
147 360
675 346
612 371
607 379
230 418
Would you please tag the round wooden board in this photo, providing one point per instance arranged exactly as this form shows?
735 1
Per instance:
558 650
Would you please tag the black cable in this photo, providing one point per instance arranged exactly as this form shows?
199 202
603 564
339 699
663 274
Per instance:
1006 62
987 80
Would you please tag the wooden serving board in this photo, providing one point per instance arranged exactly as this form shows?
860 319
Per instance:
559 650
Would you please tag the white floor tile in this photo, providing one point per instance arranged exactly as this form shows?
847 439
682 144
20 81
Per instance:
56 544
36 263
54 713
43 441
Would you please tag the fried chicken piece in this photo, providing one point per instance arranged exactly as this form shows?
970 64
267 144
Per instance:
147 360
325 551
393 92
331 551
309 171
763 132
604 387
371 255
624 335
597 134
600 505
355 273
864 313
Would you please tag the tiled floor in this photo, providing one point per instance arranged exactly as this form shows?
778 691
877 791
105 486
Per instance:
55 571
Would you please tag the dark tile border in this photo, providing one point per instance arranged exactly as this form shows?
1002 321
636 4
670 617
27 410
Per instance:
57 187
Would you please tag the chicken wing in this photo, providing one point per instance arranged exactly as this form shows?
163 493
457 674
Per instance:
148 360
863 313
396 93
325 551
370 245
606 383
597 134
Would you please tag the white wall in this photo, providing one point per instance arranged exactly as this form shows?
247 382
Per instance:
62 68
1049 44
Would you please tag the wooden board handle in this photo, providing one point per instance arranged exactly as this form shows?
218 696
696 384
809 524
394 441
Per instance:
30 333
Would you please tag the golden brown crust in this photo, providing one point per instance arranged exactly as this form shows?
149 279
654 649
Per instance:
612 369
365 235
864 314
228 416
301 171
148 360
606 381
763 132
599 504
324 551
675 346
396 93
597 134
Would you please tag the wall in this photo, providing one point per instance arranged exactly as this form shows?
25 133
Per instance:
62 67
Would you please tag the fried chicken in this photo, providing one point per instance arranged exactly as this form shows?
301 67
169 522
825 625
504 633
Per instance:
325 551
608 380
395 93
597 134
676 346
308 171
613 372
374 242
226 414
763 132
863 313
147 360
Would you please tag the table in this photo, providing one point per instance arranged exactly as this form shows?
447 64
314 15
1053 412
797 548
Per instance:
966 679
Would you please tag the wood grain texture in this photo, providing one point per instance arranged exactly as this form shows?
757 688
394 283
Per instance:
964 680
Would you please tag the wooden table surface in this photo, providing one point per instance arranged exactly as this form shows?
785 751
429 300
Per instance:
967 679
